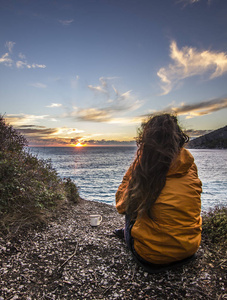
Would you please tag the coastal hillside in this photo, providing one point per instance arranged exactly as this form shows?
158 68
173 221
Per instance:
216 139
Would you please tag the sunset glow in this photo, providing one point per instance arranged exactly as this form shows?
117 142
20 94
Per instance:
79 145
86 80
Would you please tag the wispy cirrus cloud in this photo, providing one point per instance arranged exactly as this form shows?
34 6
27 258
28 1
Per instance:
188 62
201 108
66 22
103 87
67 131
39 85
115 103
21 56
10 45
36 131
54 105
97 88
94 114
8 61
23 64
104 115
24 119
188 1
195 109
191 2
189 110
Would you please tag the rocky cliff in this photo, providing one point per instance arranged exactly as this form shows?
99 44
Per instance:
216 139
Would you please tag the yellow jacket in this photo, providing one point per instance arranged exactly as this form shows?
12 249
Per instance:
174 230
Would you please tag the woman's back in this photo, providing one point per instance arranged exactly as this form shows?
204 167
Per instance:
173 232
160 194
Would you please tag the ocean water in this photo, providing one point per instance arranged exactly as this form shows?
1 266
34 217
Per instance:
98 171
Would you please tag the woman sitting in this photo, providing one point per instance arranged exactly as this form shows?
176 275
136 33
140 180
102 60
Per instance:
160 196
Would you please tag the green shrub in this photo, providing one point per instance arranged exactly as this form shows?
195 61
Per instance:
71 190
215 225
29 187
10 140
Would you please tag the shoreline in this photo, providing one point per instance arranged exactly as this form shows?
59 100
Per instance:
69 259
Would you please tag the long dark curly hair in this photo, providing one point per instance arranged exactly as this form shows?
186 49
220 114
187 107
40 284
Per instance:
159 142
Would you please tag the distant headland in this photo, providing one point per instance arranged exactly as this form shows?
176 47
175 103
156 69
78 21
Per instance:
216 139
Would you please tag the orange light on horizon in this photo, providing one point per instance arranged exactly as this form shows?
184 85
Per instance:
79 145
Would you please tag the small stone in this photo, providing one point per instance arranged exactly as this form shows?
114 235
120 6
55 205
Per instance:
115 295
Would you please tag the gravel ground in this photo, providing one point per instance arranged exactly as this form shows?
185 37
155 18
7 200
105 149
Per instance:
69 259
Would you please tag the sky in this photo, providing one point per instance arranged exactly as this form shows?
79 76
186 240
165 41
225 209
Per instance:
90 71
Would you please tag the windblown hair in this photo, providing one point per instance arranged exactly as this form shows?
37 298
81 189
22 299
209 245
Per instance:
159 142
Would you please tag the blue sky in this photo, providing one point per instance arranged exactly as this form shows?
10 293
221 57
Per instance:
90 71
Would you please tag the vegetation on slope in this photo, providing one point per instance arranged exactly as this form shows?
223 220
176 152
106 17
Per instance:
215 226
30 188
216 139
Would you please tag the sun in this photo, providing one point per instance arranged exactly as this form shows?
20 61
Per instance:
78 145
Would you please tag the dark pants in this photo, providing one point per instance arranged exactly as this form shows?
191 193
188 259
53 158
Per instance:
129 239
128 227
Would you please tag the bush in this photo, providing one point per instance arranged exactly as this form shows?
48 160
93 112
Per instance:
29 187
71 190
10 140
215 225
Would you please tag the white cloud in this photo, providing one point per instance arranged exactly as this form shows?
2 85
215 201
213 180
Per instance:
188 62
54 105
105 116
38 66
94 114
191 2
100 88
97 88
109 113
10 45
114 104
21 56
65 131
103 87
22 63
6 60
201 108
24 119
127 121
66 22
196 109
39 85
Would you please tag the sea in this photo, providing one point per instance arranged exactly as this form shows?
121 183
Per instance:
98 171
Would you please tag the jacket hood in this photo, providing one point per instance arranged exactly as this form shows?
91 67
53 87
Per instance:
181 164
